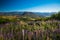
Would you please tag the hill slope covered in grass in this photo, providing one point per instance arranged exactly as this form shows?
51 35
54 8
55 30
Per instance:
15 27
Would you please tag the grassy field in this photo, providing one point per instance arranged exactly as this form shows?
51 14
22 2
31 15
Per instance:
26 28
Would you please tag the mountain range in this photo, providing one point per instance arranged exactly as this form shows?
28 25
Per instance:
33 14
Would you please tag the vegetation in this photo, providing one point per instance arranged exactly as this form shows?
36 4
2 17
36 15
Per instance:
28 28
56 16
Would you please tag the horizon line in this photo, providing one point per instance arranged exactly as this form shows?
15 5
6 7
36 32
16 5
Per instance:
28 11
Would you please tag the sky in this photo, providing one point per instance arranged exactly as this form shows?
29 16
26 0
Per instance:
30 5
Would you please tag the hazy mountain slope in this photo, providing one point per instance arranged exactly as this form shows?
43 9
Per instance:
44 14
31 14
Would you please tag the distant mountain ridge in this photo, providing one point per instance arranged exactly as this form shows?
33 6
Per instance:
45 14
33 14
30 14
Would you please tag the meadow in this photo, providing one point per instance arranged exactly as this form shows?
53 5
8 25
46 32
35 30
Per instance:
27 28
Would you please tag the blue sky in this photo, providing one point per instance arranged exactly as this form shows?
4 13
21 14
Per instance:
30 5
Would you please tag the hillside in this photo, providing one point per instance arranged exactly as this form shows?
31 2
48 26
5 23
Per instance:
31 14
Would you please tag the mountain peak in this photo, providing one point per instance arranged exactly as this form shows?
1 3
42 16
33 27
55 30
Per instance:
30 14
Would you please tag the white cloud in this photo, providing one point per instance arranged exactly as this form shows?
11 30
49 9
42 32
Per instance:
44 8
